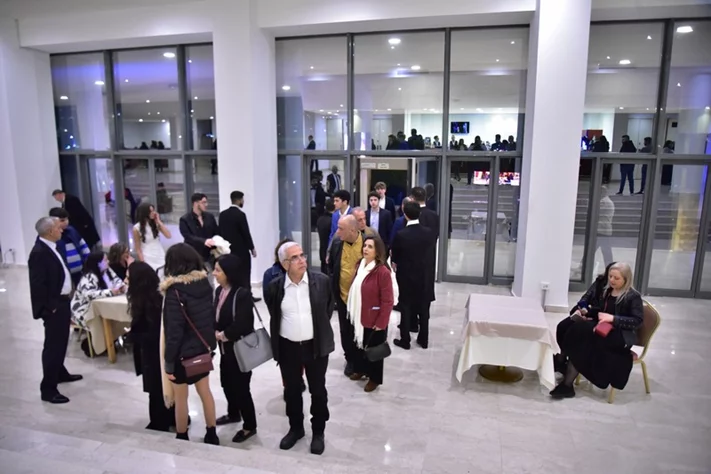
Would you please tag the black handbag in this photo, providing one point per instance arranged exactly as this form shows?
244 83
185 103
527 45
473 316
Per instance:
377 353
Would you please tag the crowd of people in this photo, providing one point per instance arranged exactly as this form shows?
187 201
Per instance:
374 263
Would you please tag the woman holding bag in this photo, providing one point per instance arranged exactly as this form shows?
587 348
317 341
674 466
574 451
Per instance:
235 319
370 303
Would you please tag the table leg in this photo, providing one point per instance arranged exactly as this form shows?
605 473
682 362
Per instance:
501 374
109 338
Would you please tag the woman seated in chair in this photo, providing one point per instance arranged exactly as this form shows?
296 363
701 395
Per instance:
591 298
97 281
603 359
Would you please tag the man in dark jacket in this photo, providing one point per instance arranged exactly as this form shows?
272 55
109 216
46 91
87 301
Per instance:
299 304
323 226
198 227
234 228
80 217
627 169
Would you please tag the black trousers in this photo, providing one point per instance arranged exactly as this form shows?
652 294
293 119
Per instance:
413 313
56 339
292 357
350 349
161 418
374 370
627 174
236 385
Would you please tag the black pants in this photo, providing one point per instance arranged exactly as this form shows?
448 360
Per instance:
235 384
413 313
644 178
161 418
627 173
56 339
292 357
347 332
374 370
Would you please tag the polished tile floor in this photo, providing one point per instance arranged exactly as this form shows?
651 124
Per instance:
421 421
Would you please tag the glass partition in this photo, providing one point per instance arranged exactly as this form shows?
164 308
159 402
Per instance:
200 77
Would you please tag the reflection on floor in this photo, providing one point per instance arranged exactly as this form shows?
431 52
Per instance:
420 421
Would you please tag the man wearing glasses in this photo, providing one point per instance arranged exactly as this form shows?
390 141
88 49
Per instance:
299 304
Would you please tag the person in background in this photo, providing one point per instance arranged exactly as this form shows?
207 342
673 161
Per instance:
97 281
188 294
415 142
436 143
461 146
428 218
370 304
402 141
604 360
393 143
359 215
50 287
161 146
323 226
143 146
146 236
380 220
647 148
453 143
431 199
385 202
144 306
154 145
312 143
81 218
300 306
71 246
198 227
603 146
342 203
511 144
119 259
399 222
497 145
318 199
234 228
333 181
627 169
604 225
235 319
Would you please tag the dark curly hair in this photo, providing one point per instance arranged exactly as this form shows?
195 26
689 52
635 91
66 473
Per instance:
91 266
143 213
144 299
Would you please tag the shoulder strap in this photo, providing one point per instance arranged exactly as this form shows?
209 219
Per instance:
185 314
254 307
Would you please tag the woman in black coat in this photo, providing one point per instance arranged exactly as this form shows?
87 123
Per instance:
235 319
604 360
188 294
144 303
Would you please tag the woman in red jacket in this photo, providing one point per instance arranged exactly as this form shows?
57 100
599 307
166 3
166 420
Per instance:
370 302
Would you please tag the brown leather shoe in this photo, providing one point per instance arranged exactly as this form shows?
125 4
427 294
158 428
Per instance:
356 376
370 386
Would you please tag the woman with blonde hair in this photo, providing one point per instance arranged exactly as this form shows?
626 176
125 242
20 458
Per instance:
598 343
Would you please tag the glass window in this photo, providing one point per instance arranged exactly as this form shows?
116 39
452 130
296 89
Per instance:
488 91
200 73
621 92
103 199
290 198
688 117
577 266
398 89
148 99
311 94
507 206
81 111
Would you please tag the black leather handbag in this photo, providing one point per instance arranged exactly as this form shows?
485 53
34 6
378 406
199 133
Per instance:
377 353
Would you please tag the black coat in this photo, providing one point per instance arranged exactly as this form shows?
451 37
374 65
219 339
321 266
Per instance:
46 280
321 311
234 228
413 252
181 341
385 224
331 183
319 199
145 333
194 235
390 207
81 220
629 314
323 225
240 323
430 219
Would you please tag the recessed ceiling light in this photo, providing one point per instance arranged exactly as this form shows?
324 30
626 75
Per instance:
149 113
625 62
158 113
479 110
513 42
497 60
65 130
148 101
163 121
389 110
168 55
392 47
140 120
647 108
394 41
312 67
376 110
398 64
608 57
399 88
125 80
192 111
649 37
64 97
341 105
212 118
678 84
415 67
286 88
707 108
684 29
622 108
461 108
99 83
190 61
196 97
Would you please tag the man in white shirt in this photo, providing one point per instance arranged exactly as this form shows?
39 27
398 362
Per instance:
301 305
50 292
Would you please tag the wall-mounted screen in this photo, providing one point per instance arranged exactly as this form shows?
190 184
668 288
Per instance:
459 128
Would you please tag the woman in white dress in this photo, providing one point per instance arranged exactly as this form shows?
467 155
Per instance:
146 236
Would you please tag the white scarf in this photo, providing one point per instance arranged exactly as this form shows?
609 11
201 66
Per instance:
355 300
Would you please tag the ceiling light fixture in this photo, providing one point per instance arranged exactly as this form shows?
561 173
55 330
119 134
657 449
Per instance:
479 110
192 111
389 110
415 67
148 101
64 97
708 107
622 108
99 83
285 87
684 29
341 105
312 67
399 88
513 42
158 113
394 41
125 80
168 55
196 97
190 61
163 121
140 120
625 62
149 113
212 118
649 37
497 60
678 84
608 57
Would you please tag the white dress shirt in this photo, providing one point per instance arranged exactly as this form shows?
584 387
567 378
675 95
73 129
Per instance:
375 219
412 222
67 284
296 321
381 203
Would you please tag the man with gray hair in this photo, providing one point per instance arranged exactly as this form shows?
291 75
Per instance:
363 226
50 292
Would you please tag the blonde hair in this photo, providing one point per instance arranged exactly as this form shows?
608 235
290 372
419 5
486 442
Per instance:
626 272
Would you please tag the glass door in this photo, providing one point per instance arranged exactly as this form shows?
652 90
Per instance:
99 180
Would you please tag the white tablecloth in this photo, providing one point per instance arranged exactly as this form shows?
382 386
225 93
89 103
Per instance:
114 310
507 331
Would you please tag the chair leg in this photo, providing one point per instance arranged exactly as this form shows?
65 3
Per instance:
644 375
577 380
611 398
91 346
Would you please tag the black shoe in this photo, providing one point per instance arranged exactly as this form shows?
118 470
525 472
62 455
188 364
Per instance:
318 444
183 436
227 419
211 437
348 371
619 194
288 441
71 378
641 192
241 437
401 344
423 345
563 391
56 399
255 299
560 364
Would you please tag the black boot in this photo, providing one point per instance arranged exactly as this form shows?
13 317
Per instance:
183 436
211 436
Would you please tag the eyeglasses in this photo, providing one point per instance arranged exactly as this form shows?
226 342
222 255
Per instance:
296 258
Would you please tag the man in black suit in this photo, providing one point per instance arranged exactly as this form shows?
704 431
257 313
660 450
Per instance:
50 292
80 217
318 199
412 256
428 217
386 203
333 181
234 228
379 219
198 227
323 225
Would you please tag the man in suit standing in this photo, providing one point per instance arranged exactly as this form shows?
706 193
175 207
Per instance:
50 292
323 225
399 222
412 254
385 202
333 181
300 305
342 203
198 227
428 217
318 199
234 228
80 217
380 220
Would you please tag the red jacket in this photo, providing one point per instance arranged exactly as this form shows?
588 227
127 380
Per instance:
376 298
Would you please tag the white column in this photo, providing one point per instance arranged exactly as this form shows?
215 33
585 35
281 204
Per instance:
554 114
245 94
30 165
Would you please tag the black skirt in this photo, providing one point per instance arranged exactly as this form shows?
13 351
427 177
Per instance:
603 361
181 377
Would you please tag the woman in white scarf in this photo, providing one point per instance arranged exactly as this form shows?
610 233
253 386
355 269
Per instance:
370 303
